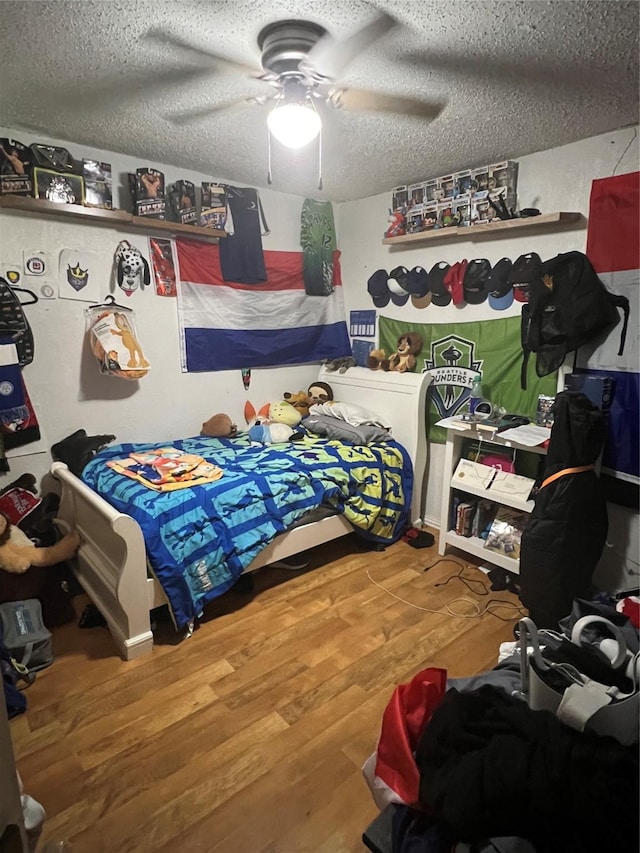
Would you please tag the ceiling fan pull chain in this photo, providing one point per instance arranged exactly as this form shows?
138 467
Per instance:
269 175
320 159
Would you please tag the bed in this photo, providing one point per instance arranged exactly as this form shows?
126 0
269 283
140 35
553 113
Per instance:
118 568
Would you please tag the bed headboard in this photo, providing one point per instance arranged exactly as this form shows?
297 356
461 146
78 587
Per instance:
400 399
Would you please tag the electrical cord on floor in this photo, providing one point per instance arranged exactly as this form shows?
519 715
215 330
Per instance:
489 607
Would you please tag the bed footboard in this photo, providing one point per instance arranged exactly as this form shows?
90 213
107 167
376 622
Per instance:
111 563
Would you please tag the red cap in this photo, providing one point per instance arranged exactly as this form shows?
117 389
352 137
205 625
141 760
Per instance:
453 281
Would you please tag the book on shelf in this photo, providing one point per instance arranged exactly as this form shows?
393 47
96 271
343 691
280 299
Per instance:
505 533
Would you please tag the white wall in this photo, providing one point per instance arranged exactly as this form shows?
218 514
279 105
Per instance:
554 180
63 381
69 393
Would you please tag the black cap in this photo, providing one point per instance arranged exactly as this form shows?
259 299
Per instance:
397 285
439 293
524 270
379 289
475 281
418 287
499 287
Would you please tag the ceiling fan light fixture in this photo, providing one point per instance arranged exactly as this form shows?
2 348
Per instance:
294 124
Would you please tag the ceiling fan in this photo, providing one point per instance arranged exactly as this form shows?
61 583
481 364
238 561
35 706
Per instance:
302 63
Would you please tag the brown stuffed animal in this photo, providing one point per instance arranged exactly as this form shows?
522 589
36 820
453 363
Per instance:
18 553
319 392
403 359
219 426
299 401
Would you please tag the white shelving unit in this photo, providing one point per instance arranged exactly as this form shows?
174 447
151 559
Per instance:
472 544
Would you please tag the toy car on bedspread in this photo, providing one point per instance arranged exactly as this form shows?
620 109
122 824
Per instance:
199 539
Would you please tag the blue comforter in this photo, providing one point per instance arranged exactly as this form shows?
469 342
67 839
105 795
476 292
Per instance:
200 539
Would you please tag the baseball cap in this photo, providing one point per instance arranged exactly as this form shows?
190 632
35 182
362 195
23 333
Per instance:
499 287
525 269
475 281
379 289
453 281
418 287
439 293
397 285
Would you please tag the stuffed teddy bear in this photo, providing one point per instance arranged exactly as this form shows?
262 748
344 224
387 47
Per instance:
18 553
219 426
403 359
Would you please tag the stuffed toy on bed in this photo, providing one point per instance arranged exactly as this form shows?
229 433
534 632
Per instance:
273 424
219 426
403 359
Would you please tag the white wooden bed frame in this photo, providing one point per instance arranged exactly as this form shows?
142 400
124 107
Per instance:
111 564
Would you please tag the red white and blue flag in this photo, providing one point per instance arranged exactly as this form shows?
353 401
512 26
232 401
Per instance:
613 247
225 325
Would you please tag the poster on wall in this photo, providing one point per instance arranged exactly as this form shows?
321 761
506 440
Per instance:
83 276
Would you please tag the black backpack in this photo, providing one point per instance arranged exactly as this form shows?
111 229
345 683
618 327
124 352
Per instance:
568 306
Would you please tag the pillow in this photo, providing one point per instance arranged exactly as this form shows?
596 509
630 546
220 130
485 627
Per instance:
339 430
352 414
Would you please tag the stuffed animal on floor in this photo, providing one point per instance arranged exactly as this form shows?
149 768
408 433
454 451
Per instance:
18 553
403 359
219 426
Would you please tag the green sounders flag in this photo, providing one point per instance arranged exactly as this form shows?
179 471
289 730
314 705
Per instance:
454 353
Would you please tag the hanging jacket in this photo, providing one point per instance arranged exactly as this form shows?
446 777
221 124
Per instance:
567 529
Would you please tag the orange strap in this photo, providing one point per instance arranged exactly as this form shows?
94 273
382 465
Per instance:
558 474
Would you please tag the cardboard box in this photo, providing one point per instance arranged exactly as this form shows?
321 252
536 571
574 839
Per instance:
432 190
97 184
213 211
479 180
416 195
59 187
463 182
15 168
462 210
415 218
429 215
399 198
181 203
448 184
149 198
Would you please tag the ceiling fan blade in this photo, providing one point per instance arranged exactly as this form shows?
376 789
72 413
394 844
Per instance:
330 56
200 113
361 100
221 62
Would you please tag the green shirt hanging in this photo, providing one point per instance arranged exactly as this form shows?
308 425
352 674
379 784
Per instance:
318 241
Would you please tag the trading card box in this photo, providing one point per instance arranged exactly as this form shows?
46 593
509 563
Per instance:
399 198
60 187
149 194
98 184
15 168
213 210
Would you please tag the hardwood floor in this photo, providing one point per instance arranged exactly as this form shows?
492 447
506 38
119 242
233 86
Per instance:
249 736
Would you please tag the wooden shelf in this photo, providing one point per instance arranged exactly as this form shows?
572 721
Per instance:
475 546
115 218
497 228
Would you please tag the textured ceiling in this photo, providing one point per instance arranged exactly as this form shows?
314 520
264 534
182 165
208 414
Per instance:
517 76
